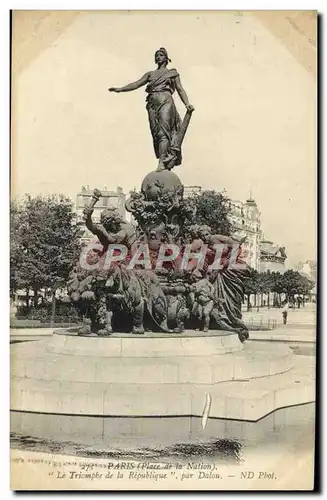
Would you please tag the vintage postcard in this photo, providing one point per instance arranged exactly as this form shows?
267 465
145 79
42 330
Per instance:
163 250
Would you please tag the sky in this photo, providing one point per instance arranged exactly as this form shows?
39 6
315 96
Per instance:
254 125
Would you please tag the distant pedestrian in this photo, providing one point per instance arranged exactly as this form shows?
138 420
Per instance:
284 312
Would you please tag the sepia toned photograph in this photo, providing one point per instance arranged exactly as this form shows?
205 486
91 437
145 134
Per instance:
163 250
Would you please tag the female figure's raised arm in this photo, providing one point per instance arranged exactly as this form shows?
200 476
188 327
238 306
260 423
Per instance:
132 86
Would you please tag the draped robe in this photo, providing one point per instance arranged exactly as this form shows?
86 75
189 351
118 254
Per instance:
163 116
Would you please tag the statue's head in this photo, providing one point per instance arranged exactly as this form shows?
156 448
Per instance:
155 230
136 196
110 218
153 234
137 200
205 233
161 56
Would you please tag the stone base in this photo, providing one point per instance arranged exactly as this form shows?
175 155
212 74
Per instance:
158 376
29 334
105 434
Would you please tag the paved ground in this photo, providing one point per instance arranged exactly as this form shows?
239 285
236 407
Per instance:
303 316
300 327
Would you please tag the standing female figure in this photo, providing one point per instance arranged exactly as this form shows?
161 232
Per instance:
164 120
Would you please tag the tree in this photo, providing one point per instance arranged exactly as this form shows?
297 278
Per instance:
251 285
305 286
15 253
278 286
213 210
44 244
291 283
266 285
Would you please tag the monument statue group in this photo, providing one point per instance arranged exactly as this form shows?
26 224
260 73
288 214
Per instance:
165 273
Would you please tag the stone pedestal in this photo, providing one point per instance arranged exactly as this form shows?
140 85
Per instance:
126 378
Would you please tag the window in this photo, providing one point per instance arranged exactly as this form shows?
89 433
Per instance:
80 200
87 200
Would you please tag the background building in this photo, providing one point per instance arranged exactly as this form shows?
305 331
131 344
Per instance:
246 221
272 257
190 190
308 269
261 254
109 198
245 217
73 122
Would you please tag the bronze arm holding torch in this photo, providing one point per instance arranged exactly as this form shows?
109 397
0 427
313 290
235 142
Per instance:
94 200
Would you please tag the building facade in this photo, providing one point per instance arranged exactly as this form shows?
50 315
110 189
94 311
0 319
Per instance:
190 190
246 220
308 268
261 254
109 198
272 257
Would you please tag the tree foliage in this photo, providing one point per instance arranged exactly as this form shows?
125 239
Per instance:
44 243
251 282
213 210
290 283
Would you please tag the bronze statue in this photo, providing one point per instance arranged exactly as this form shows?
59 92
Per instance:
112 228
165 124
202 298
164 295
